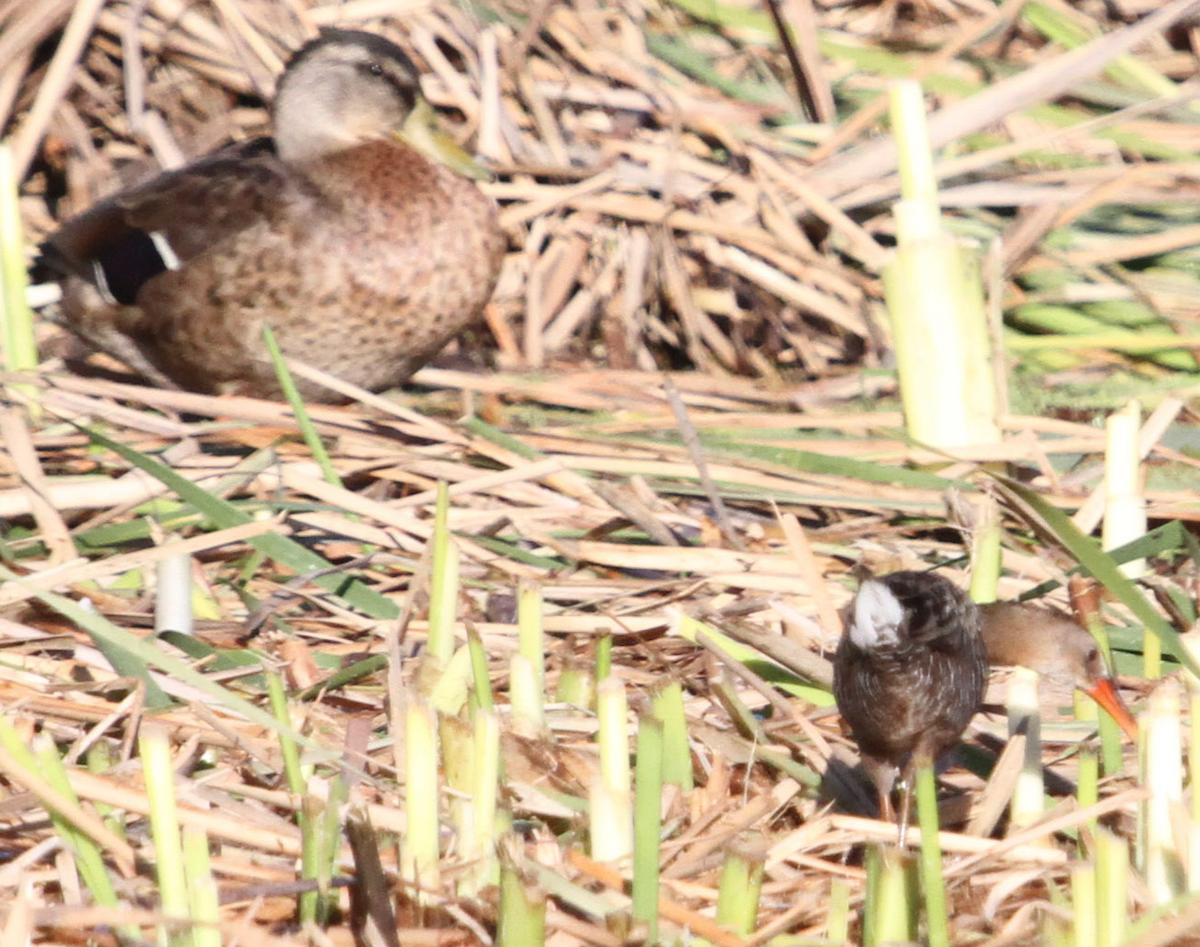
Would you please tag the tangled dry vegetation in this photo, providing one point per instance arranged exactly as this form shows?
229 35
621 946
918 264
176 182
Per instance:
679 404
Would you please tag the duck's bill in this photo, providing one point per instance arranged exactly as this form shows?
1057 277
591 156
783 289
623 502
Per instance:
420 130
1105 694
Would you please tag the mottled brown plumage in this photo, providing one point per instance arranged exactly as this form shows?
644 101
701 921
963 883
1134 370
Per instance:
363 254
908 675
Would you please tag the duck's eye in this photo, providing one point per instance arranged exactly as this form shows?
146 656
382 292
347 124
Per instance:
375 69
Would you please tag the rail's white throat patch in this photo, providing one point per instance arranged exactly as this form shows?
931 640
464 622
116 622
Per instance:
877 616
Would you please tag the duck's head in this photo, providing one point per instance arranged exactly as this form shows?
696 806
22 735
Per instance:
347 87
341 89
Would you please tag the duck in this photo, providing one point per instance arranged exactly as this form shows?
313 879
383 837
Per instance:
1047 641
909 673
350 232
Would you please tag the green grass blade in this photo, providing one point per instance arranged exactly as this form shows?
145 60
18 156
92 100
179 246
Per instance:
307 429
353 591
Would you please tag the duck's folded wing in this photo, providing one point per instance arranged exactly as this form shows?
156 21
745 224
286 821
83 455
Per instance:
125 241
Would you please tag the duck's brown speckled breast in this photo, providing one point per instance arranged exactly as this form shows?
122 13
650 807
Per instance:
378 265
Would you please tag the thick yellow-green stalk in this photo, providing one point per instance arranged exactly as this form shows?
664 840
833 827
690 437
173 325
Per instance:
985 549
1162 856
837 928
522 917
610 798
457 738
1125 507
576 684
443 584
1083 903
935 301
741 886
604 646
613 733
647 825
1191 642
471 762
419 850
202 889
890 908
1087 786
525 698
19 345
155 751
1024 717
447 686
484 698
1112 888
483 796
937 924
1124 499
677 753
531 639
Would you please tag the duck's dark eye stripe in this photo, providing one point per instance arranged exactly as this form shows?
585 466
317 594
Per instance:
405 90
